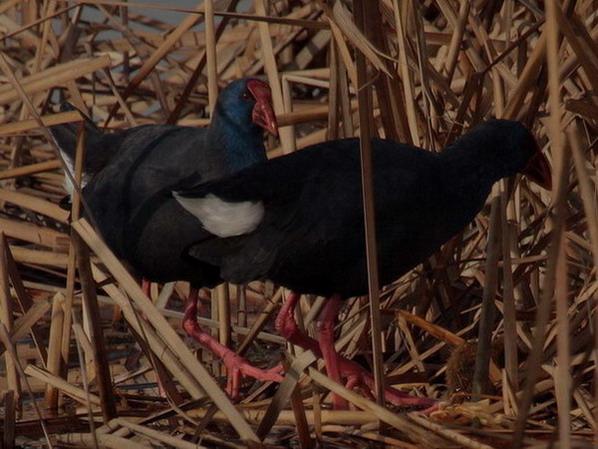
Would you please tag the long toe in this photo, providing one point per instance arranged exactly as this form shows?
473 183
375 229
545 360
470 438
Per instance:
269 375
431 408
238 368
233 384
359 377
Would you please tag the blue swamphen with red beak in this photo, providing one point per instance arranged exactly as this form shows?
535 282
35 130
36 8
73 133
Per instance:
297 220
124 169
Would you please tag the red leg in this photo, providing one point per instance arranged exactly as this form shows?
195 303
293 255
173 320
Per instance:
146 287
356 375
286 326
325 324
237 366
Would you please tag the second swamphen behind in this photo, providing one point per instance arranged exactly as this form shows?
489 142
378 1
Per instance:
124 169
297 220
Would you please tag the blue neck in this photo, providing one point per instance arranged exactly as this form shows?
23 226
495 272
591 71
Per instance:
244 151
243 146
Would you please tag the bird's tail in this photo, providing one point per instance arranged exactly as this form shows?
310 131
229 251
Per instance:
66 137
66 133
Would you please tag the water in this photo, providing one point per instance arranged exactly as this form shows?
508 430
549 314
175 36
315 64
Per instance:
171 17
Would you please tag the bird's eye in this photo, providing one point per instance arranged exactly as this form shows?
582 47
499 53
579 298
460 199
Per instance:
245 95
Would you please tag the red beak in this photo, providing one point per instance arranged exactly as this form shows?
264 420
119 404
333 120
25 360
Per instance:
263 112
538 170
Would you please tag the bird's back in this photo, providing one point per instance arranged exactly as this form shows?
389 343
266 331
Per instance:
151 157
311 237
124 204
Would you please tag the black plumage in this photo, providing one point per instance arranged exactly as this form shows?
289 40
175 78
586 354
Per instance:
100 147
149 158
140 162
311 236
298 220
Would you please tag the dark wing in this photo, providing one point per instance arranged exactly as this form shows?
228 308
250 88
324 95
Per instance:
150 161
100 148
311 231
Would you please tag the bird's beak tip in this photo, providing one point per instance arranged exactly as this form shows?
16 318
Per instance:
538 170
263 111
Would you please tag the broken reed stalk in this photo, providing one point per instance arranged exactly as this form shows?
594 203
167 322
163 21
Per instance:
11 396
511 381
224 313
7 320
552 32
562 379
557 233
200 375
484 350
365 22
211 54
60 331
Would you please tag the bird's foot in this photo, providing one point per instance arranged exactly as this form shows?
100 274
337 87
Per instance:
238 368
431 409
359 377
355 375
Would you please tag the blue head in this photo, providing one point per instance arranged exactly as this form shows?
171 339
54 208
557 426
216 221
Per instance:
243 110
503 148
245 104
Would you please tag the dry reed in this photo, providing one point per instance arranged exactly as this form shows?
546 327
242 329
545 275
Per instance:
422 72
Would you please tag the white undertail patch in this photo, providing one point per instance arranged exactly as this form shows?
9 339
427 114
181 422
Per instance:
68 180
222 218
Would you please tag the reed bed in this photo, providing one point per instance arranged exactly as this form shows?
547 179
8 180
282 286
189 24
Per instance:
79 366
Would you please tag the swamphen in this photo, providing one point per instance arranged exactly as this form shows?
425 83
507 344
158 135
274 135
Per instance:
146 159
297 220
169 153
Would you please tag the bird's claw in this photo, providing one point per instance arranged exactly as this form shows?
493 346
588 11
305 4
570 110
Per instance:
238 368
358 377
